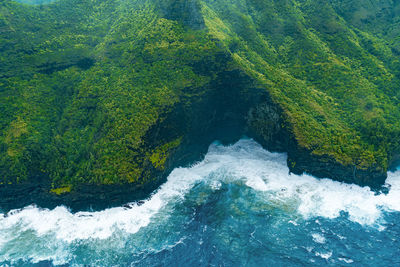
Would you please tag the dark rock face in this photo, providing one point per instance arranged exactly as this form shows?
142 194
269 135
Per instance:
301 161
85 197
188 12
267 126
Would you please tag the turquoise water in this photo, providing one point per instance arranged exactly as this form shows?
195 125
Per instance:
238 207
35 2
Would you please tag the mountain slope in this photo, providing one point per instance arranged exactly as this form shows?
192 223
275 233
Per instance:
98 93
337 84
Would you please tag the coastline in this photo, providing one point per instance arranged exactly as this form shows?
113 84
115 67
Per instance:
261 120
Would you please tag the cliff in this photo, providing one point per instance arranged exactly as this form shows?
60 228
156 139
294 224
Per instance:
100 100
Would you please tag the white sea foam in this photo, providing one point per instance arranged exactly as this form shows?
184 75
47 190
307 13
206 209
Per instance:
245 162
325 255
84 225
268 172
346 260
318 238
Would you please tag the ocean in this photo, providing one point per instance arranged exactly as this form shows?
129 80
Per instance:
237 207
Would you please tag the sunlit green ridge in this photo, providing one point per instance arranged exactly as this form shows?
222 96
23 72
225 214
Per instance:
84 84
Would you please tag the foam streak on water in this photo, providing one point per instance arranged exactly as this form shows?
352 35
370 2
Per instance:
34 234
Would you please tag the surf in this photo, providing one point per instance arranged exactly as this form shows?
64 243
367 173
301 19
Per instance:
244 165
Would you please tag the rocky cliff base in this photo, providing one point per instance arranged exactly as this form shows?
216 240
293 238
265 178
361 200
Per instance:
232 107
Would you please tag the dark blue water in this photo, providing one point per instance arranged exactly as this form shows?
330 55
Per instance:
238 207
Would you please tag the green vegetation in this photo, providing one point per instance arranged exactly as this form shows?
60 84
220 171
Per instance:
338 84
82 82
159 156
61 190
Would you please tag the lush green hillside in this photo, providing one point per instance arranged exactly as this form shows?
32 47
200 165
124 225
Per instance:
338 84
110 92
